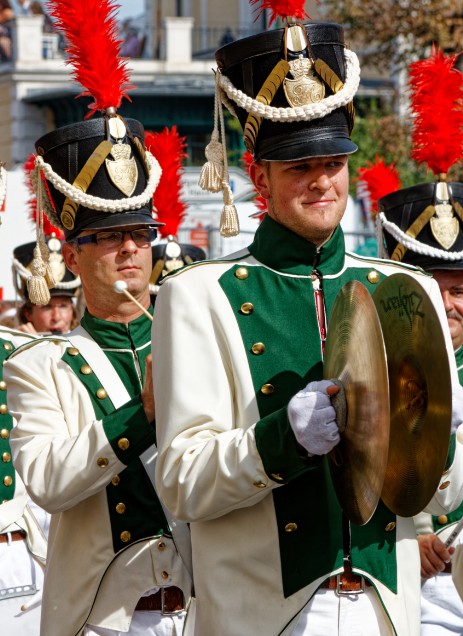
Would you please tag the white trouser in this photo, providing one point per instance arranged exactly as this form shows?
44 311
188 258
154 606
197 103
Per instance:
19 571
328 614
441 607
145 624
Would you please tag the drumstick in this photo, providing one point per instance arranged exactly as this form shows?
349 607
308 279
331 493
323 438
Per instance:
455 532
120 287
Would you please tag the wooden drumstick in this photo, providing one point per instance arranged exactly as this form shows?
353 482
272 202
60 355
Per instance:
120 287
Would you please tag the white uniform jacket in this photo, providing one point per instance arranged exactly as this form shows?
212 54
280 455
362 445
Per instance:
85 453
238 338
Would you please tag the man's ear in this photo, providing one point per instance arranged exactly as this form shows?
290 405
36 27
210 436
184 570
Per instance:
259 174
68 251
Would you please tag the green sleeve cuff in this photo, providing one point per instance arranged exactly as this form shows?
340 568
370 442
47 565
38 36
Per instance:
128 430
283 458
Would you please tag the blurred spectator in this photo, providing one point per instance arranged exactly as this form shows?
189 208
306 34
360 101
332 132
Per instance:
227 37
6 18
34 7
131 46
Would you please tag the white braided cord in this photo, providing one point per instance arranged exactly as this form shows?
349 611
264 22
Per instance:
97 203
3 178
416 246
301 113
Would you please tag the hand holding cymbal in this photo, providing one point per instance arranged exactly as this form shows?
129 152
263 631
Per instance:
120 287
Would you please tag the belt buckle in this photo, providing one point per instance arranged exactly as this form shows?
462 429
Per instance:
341 592
166 612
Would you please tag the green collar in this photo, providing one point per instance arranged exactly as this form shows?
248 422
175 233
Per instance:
118 335
283 250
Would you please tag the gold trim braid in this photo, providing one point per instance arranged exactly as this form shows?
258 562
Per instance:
413 231
265 96
83 181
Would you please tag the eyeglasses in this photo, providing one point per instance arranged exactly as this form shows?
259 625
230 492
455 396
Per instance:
142 237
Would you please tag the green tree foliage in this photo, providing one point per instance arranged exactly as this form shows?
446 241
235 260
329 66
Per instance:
396 31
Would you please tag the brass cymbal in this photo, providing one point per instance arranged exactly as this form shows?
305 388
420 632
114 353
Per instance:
420 394
355 355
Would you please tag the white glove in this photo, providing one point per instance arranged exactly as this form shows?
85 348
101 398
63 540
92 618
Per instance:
457 407
313 418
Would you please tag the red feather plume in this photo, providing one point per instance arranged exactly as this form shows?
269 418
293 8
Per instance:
93 47
259 200
380 180
281 9
48 227
169 149
436 93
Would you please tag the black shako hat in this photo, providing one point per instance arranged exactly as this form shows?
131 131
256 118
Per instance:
292 91
427 220
65 282
98 175
422 225
170 256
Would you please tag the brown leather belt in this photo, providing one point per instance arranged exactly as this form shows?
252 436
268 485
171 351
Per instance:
167 600
16 535
346 583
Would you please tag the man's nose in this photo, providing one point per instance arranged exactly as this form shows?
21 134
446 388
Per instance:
320 181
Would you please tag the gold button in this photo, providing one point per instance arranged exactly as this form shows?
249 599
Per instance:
7 346
390 526
6 457
101 393
258 348
73 351
123 443
247 309
125 536
165 575
2 385
442 519
277 477
260 484
161 546
373 277
4 433
3 409
120 508
444 485
86 370
102 462
291 527
241 273
267 389
116 480
7 481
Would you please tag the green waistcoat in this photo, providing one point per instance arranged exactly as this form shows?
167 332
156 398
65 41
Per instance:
133 505
284 321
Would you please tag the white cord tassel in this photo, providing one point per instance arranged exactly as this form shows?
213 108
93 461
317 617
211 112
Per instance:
37 287
229 222
42 278
3 177
212 173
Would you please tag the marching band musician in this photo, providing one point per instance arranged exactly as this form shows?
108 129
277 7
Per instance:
23 526
243 440
422 226
59 314
85 440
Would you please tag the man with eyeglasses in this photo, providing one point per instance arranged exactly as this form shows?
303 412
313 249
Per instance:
85 439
